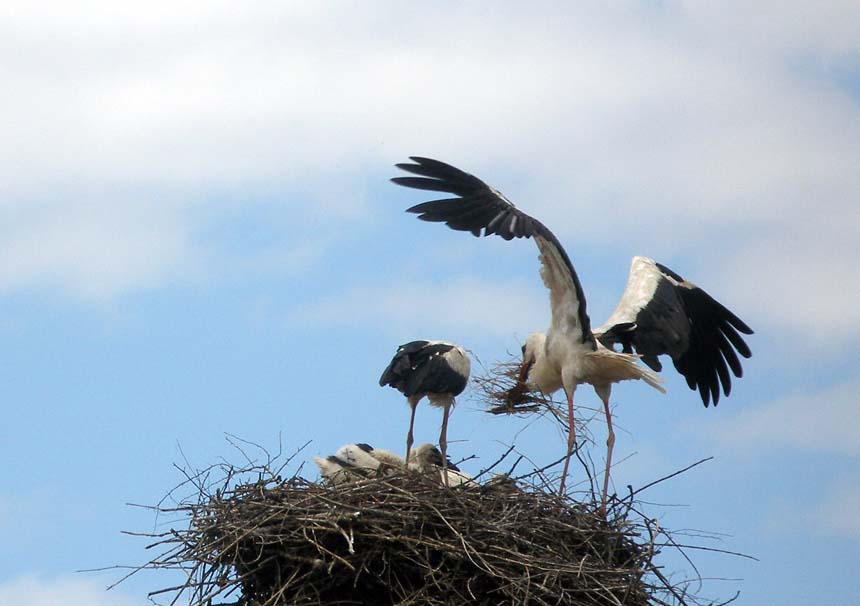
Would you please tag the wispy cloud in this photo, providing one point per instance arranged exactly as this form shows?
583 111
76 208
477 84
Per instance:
32 590
824 421
711 134
833 510
460 307
799 282
94 250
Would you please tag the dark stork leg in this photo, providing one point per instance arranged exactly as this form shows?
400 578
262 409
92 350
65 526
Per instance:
570 442
604 392
443 443
413 404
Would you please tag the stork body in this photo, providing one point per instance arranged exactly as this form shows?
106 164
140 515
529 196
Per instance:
436 369
359 461
655 313
366 456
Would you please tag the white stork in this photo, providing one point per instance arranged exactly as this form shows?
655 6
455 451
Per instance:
355 461
659 312
359 461
436 369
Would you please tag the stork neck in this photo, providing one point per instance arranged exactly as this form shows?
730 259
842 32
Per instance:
545 375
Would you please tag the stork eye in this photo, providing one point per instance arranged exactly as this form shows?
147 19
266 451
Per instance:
523 349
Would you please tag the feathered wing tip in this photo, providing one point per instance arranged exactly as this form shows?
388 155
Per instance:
715 342
478 208
652 379
438 176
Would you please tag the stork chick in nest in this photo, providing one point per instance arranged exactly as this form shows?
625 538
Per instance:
359 461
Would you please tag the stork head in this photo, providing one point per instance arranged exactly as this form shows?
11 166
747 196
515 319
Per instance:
533 347
426 458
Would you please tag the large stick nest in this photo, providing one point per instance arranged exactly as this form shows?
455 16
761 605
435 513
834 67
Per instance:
405 539
393 541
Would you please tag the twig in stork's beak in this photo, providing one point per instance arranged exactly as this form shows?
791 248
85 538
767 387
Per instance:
516 392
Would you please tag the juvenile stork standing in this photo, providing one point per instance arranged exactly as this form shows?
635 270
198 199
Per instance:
436 369
659 312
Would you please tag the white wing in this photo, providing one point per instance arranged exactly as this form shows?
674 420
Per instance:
565 301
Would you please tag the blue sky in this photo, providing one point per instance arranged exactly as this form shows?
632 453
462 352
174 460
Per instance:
198 238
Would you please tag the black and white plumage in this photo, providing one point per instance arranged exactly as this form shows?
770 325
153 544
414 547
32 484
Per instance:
436 369
428 459
359 461
662 313
659 313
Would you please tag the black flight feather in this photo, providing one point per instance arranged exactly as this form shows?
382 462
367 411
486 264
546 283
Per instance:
480 208
696 330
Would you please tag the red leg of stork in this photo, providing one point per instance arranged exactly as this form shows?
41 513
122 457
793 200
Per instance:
443 443
610 443
409 440
570 443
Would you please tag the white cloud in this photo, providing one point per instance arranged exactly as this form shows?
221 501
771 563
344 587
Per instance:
94 250
460 307
826 421
69 591
714 133
832 510
799 282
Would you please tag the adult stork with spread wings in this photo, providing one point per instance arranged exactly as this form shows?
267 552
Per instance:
659 312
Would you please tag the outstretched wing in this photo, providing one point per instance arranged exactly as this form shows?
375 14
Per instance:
481 209
662 313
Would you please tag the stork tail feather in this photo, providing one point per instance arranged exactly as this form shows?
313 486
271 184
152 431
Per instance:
611 366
